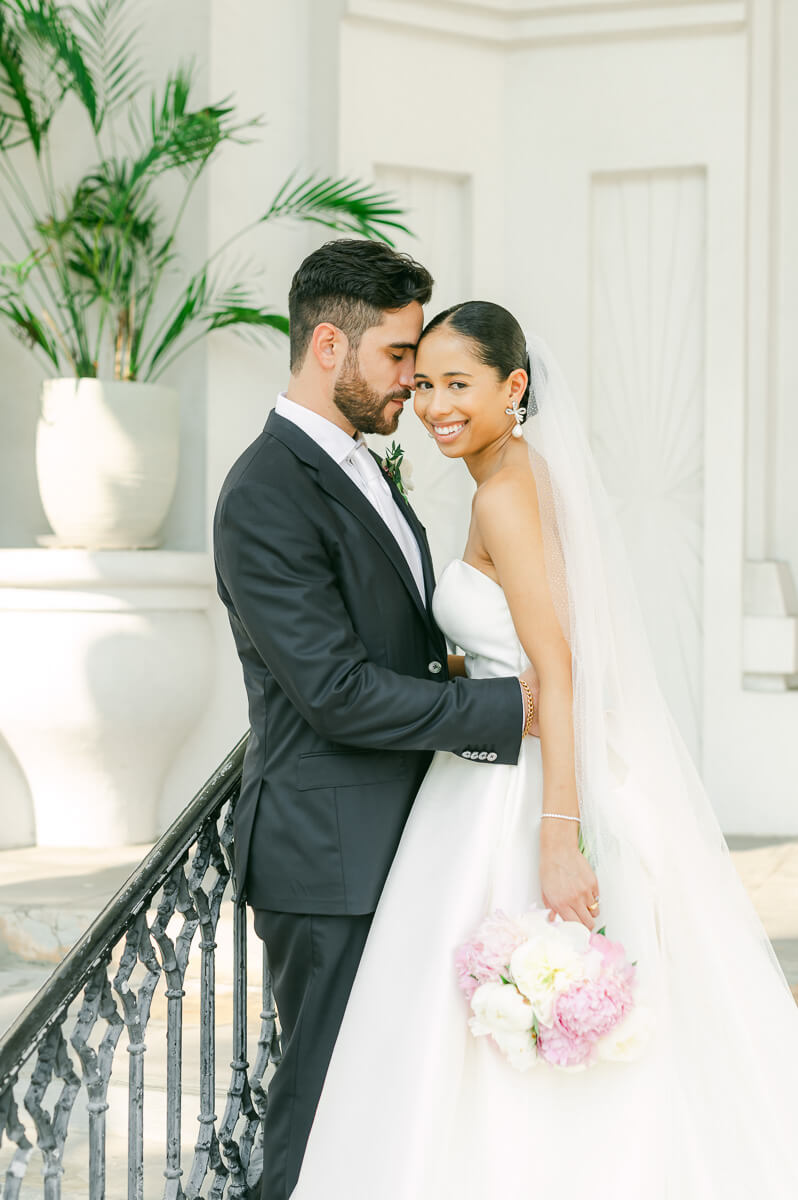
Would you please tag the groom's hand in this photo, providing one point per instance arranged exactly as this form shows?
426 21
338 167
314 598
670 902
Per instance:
530 677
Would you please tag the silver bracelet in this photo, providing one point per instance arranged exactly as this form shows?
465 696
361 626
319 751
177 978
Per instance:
562 816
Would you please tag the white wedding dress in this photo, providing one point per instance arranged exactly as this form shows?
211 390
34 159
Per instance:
415 1108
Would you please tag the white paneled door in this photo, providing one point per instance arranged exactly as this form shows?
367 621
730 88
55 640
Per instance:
627 216
646 414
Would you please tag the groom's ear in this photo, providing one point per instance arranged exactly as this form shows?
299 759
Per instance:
329 345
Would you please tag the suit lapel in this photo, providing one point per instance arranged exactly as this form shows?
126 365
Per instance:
337 484
419 532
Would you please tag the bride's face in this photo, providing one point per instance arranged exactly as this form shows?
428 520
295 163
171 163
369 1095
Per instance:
461 400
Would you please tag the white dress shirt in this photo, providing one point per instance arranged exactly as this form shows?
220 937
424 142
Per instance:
355 460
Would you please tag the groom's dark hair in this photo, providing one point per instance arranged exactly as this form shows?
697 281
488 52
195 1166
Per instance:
351 283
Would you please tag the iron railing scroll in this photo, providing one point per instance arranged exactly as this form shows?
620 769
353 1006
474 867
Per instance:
168 908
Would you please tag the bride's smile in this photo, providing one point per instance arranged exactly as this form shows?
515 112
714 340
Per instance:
463 401
448 433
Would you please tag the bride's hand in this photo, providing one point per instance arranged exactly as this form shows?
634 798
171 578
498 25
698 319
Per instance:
567 880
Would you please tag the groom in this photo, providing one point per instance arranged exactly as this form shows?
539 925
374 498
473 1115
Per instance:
327 577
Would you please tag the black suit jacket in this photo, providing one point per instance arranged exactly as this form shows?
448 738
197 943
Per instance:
346 677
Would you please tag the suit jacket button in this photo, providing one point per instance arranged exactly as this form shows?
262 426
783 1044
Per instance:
483 754
491 757
466 754
434 667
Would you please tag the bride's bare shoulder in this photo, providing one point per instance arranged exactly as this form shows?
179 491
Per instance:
508 500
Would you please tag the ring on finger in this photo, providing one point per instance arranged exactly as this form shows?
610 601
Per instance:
594 905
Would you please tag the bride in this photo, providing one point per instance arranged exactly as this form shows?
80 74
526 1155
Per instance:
414 1107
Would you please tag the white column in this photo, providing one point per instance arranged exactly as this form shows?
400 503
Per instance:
260 54
770 629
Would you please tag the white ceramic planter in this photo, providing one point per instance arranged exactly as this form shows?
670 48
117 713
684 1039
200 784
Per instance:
106 669
106 459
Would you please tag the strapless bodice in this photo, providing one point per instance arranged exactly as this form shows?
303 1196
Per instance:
472 611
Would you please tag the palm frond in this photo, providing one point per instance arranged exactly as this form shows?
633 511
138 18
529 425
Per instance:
180 137
343 204
17 100
108 197
20 271
10 133
111 53
61 62
188 309
28 327
106 237
249 316
213 306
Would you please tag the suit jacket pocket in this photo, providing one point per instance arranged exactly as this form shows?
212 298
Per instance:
352 768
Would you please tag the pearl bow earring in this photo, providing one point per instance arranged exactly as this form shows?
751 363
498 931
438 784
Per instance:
519 412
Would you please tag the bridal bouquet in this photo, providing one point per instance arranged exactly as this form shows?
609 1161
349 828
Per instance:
551 990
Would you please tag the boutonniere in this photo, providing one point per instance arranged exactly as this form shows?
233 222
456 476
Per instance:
398 467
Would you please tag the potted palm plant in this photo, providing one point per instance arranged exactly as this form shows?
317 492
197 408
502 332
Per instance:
94 285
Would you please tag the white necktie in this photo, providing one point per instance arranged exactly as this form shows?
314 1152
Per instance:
379 494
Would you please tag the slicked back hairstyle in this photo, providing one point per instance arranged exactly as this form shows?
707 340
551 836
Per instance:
351 283
496 336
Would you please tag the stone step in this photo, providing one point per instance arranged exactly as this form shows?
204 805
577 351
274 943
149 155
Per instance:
48 898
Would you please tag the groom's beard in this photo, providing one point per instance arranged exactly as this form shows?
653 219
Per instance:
361 405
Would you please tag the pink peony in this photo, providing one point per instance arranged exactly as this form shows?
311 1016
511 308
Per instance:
613 956
593 1007
561 1050
487 955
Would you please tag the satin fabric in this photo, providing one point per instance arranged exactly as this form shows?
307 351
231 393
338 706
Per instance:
415 1108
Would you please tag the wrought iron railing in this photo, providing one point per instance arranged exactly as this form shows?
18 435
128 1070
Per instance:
175 894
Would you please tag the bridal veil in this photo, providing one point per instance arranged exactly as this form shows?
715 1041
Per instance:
665 875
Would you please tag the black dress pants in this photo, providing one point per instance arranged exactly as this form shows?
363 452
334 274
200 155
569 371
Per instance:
313 960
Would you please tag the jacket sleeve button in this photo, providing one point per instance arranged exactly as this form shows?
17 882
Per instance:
492 756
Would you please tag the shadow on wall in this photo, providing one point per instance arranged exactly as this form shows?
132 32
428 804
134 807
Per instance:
17 826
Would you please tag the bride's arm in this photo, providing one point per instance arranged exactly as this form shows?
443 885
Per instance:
508 525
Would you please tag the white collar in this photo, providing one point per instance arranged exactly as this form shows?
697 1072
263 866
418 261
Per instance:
332 439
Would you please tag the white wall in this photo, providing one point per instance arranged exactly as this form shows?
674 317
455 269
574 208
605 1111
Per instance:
424 115
613 154
516 134
277 62
784 258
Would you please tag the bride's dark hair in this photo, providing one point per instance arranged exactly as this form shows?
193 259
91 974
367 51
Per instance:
497 337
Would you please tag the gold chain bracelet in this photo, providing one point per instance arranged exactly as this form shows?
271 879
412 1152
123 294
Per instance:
530 708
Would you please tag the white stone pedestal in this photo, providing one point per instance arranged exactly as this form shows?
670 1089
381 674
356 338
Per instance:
106 663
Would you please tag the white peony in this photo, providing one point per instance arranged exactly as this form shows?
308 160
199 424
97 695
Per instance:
629 1038
550 961
499 1008
407 474
518 1048
535 921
